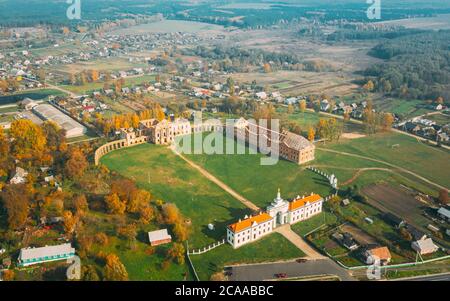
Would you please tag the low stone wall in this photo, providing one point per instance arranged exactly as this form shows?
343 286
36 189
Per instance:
118 144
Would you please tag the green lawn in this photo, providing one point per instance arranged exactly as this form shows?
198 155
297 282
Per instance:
304 227
169 178
271 248
259 183
401 150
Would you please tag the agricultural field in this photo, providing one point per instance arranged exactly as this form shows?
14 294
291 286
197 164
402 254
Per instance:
111 64
270 248
400 150
440 118
90 87
404 108
168 26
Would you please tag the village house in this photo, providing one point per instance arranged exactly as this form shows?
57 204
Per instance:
20 176
378 253
444 213
424 246
30 256
279 212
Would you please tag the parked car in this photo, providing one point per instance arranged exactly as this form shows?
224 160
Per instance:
301 260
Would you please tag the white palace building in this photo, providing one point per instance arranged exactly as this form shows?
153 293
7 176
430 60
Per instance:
279 212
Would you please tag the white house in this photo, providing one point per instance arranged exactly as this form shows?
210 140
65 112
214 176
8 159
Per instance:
278 213
261 95
250 229
424 246
20 177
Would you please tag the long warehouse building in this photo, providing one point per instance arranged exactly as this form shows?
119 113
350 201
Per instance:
49 112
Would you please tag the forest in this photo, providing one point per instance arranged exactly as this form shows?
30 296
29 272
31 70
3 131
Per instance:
417 66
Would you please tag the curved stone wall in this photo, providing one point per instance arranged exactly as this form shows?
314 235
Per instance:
114 145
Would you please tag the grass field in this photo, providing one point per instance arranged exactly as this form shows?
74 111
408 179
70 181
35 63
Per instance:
259 183
271 248
90 87
167 26
169 178
401 150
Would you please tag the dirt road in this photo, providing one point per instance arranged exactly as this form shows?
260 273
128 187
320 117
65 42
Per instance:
385 163
219 183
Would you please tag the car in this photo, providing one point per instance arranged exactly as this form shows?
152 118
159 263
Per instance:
301 260
281 275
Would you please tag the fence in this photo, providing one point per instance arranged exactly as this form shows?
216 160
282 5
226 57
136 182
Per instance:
206 249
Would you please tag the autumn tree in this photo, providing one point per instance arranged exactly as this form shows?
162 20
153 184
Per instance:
181 231
369 118
443 197
124 188
171 213
290 109
129 232
4 153
101 238
369 86
69 222
55 136
16 201
89 273
114 204
267 68
302 105
80 204
177 253
138 199
114 269
388 120
8 275
28 139
311 134
76 164
146 214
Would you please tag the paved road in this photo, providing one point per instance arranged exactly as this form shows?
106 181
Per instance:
440 277
267 271
298 241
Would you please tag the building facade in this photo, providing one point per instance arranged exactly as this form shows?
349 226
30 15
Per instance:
291 147
30 256
278 213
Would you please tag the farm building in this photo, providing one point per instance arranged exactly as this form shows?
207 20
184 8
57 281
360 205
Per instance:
48 112
159 237
444 214
30 256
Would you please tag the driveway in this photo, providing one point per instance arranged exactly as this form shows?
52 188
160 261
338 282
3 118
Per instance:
267 271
